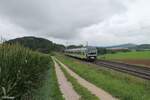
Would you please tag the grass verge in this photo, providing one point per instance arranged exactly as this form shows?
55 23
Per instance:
120 85
82 91
50 88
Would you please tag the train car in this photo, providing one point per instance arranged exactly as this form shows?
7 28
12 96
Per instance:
87 53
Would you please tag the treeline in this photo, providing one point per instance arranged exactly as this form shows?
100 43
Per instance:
37 44
21 72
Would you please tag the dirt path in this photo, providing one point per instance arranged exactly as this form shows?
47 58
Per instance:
101 94
65 86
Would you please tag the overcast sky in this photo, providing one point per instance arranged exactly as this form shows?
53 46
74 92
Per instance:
100 22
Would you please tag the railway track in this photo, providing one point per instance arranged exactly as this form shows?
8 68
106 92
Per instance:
139 71
142 72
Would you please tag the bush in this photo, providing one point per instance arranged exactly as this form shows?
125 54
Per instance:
21 71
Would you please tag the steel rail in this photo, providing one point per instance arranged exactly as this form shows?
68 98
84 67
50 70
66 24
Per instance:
138 71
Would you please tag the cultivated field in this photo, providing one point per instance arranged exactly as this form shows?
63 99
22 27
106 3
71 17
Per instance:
120 85
26 75
134 57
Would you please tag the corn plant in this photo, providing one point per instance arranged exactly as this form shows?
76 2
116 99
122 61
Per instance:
21 71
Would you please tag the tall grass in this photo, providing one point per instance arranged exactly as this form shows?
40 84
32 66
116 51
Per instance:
21 71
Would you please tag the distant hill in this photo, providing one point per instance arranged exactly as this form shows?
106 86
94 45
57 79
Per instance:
123 46
143 46
131 46
38 44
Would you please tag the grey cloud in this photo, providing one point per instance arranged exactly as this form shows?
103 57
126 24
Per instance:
133 26
58 18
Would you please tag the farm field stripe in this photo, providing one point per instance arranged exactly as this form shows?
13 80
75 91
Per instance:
65 87
101 94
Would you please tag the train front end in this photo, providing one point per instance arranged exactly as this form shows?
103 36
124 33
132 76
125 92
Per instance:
91 53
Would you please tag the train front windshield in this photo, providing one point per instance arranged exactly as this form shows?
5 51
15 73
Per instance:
92 51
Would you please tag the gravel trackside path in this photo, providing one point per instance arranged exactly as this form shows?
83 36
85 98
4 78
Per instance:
65 86
101 94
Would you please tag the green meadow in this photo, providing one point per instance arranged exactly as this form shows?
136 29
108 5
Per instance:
144 55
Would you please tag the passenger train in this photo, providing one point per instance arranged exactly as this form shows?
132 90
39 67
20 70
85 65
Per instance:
87 53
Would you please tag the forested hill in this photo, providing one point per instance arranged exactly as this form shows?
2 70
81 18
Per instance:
38 44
